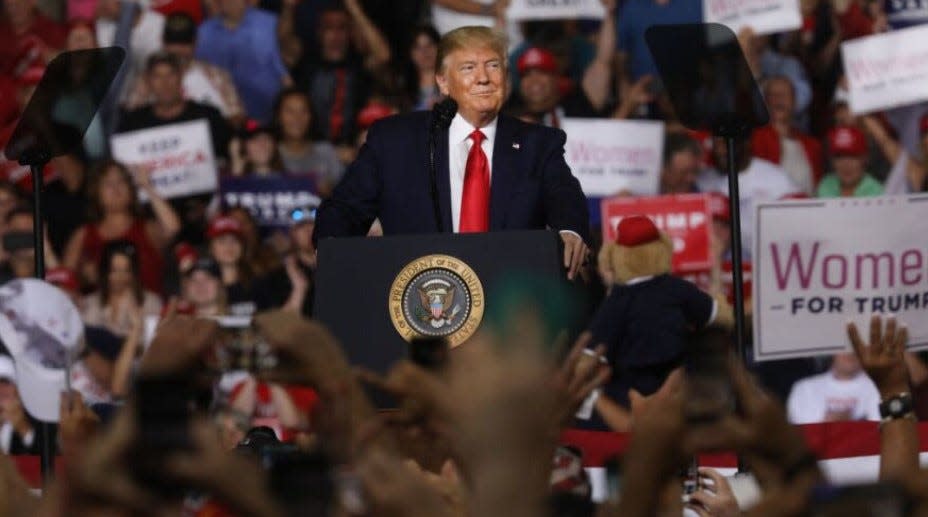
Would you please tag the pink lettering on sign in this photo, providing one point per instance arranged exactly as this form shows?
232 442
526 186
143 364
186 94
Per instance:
872 68
594 153
801 265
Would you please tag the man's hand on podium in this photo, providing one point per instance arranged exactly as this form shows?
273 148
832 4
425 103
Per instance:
575 252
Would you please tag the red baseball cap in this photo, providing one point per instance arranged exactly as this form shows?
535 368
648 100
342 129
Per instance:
223 225
373 112
847 141
63 278
185 254
536 58
635 230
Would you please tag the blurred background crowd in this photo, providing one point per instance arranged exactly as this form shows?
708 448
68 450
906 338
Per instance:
289 87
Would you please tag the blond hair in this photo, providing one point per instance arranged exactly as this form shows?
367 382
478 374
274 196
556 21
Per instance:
469 37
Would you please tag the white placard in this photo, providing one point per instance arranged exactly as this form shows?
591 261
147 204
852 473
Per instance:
555 9
611 156
762 16
887 70
180 156
820 264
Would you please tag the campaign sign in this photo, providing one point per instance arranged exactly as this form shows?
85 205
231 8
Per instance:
685 218
820 264
180 157
269 200
887 70
906 13
554 9
612 156
762 16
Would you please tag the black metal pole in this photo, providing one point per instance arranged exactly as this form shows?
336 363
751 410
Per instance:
734 206
46 453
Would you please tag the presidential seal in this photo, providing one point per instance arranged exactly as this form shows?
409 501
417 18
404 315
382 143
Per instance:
436 296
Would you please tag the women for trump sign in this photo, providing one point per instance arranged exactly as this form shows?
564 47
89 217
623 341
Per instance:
887 70
820 264
554 9
762 16
612 156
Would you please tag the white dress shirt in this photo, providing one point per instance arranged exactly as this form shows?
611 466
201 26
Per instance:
459 144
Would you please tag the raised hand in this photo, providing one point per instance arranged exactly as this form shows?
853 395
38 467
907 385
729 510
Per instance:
883 358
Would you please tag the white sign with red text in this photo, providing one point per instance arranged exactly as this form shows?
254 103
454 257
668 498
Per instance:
554 9
820 264
613 156
180 157
887 70
762 16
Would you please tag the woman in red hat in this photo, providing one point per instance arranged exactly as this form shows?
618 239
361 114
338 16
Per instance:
848 148
227 247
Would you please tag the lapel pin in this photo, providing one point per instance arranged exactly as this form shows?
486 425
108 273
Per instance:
515 146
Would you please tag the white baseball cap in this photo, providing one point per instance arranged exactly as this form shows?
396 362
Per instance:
43 331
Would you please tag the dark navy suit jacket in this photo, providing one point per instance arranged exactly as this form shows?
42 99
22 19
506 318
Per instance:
531 185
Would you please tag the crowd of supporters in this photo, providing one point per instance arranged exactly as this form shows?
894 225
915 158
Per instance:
288 89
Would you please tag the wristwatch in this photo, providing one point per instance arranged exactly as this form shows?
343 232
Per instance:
896 407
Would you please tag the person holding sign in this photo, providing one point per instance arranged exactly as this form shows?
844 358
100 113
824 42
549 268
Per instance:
493 172
541 93
169 106
908 173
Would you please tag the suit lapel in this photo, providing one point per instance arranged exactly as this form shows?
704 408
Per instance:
504 172
444 180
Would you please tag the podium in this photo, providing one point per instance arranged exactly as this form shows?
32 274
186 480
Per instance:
375 293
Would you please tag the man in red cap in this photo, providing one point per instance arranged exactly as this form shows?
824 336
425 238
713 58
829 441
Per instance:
848 148
548 97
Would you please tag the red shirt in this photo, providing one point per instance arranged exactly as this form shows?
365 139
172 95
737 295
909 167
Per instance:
305 400
151 265
765 144
17 50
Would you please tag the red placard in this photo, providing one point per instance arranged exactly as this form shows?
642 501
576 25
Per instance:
685 218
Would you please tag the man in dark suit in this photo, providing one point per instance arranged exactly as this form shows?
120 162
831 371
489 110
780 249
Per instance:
494 172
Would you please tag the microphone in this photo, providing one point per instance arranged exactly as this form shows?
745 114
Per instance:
442 114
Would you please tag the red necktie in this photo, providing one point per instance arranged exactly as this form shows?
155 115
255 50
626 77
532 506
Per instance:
475 203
